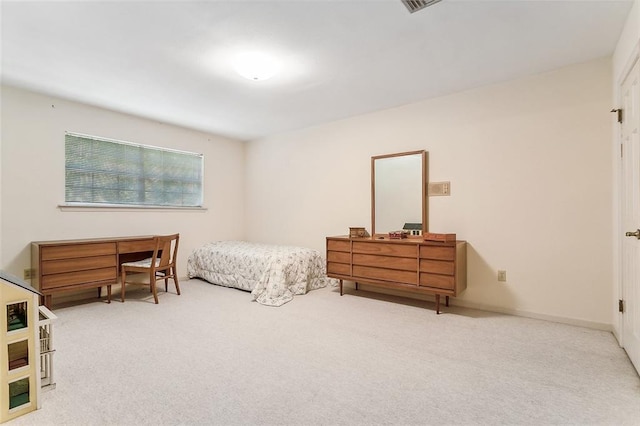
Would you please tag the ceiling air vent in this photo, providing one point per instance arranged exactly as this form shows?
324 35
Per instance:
416 5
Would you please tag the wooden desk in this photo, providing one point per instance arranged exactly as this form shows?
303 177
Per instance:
68 265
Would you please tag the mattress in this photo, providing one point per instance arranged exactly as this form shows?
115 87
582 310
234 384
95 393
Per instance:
272 273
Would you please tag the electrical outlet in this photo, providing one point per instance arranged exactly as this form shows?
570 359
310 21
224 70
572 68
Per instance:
28 273
502 275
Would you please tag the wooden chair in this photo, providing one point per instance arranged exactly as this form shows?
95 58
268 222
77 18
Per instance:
161 266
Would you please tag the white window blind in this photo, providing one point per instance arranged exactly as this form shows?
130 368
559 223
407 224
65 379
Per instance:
107 172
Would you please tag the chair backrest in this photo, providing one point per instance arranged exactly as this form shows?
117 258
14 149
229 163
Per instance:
168 246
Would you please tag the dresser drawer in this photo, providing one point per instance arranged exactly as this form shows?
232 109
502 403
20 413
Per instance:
388 249
79 278
437 266
339 245
382 274
338 256
446 282
77 250
338 268
79 264
390 262
438 253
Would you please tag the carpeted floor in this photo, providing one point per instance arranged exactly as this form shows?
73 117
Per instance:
212 356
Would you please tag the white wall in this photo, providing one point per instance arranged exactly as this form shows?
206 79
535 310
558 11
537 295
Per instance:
625 54
32 166
530 165
626 43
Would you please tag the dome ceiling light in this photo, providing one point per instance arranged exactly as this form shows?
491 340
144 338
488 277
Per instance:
256 66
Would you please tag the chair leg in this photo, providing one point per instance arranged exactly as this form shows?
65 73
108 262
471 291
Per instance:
175 280
155 294
123 279
152 280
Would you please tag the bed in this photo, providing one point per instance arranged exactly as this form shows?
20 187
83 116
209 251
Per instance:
272 273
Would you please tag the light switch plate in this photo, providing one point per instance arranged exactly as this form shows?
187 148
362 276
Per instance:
439 189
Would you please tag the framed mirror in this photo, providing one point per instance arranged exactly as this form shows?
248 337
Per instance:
398 192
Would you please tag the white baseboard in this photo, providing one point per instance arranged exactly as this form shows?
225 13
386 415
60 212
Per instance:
534 315
491 308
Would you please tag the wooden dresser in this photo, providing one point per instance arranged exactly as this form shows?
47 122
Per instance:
67 265
438 268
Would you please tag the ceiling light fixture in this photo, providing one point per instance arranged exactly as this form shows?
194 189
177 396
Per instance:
256 65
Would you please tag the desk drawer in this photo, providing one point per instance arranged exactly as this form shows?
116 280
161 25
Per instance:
77 250
79 277
79 264
136 246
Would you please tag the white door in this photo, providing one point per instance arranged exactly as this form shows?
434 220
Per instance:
630 91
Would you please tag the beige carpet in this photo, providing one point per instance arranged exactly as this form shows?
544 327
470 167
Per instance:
211 356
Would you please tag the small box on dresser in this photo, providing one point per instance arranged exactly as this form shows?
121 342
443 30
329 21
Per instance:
442 238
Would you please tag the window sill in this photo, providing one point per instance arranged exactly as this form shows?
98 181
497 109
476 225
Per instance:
125 208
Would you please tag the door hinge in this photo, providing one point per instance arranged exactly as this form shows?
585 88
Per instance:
618 111
621 306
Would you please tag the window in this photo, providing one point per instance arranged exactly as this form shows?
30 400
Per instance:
100 171
18 393
16 316
18 354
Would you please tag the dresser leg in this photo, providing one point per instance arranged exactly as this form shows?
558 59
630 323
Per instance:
446 301
437 304
356 285
99 292
340 287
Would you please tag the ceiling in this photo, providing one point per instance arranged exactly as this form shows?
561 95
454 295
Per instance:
171 60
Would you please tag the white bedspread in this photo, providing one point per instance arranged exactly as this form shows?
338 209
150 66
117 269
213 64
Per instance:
272 273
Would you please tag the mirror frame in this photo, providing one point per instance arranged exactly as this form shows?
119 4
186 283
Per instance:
425 210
